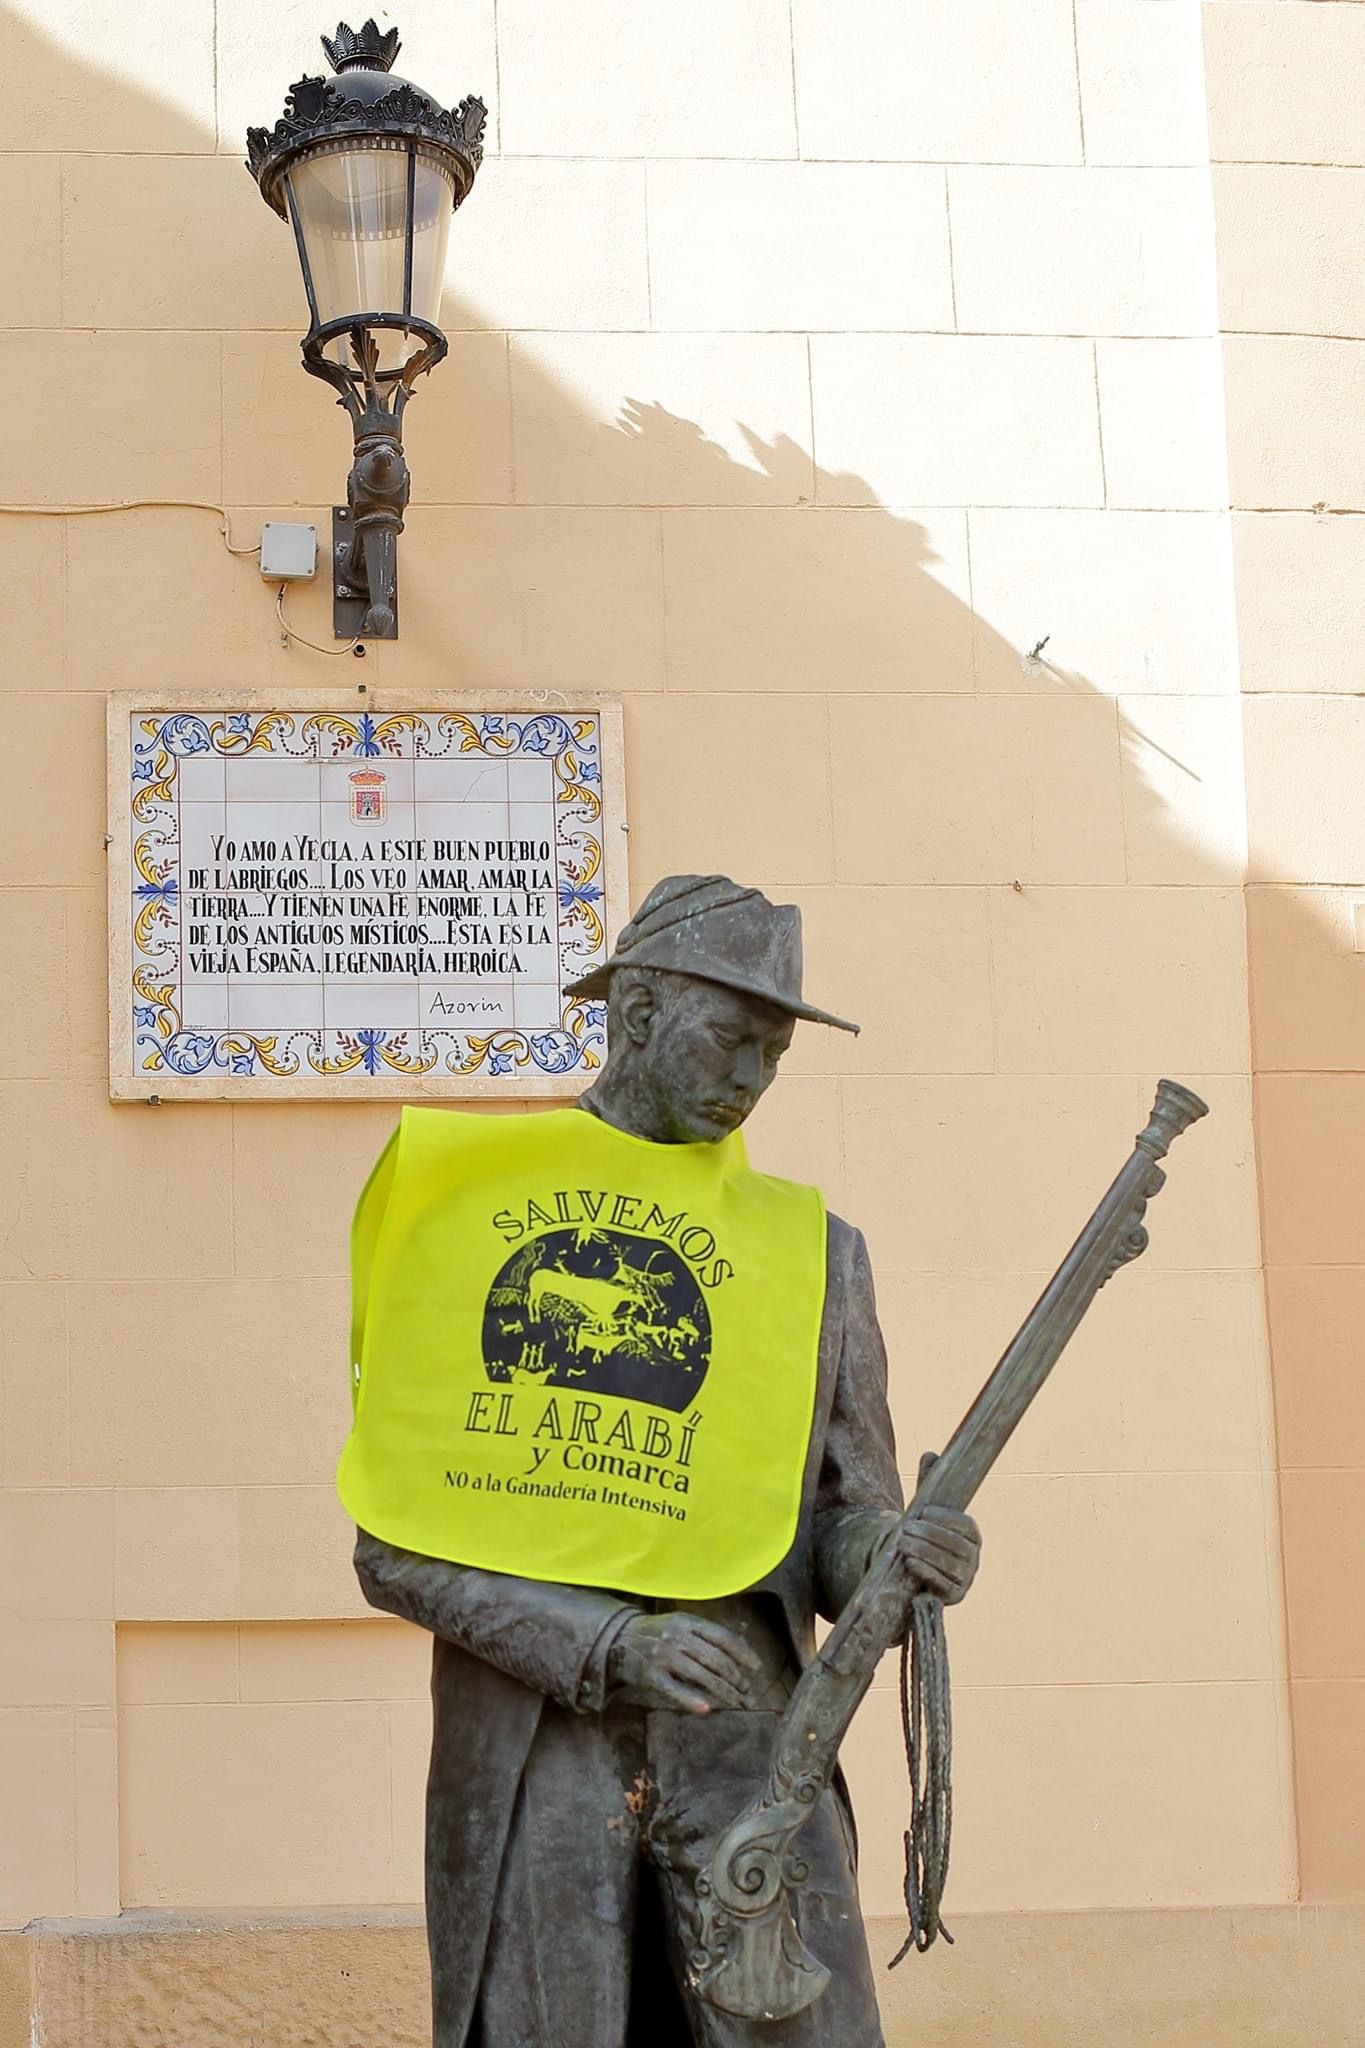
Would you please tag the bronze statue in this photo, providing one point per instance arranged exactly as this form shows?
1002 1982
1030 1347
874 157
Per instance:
589 1748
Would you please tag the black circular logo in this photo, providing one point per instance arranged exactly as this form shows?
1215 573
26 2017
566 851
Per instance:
601 1312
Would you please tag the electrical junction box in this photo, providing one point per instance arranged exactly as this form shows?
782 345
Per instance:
288 552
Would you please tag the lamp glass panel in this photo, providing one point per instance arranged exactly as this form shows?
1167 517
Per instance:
433 203
351 201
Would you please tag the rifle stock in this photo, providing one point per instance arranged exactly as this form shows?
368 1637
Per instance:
750 1959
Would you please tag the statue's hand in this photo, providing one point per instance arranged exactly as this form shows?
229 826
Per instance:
680 1663
939 1548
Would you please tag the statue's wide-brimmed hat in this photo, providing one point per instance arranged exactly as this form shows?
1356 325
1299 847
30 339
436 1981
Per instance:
712 928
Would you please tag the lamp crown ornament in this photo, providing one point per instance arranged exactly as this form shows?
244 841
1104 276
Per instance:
361 102
365 49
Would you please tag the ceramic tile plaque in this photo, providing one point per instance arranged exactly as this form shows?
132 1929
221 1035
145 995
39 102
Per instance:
384 898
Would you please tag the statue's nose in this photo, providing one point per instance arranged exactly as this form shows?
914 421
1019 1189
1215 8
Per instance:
746 1074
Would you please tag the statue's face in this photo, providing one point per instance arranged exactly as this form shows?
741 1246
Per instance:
709 1058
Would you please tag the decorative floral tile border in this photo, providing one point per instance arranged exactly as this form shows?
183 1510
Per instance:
156 1048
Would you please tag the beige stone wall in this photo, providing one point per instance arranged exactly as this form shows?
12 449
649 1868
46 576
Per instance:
1256 1977
810 367
1289 181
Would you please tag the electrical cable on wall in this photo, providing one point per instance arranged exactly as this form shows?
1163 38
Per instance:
135 505
177 505
349 647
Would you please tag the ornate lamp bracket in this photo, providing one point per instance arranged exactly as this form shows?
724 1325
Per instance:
365 529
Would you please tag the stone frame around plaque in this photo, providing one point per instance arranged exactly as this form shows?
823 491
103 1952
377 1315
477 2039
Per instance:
179 1034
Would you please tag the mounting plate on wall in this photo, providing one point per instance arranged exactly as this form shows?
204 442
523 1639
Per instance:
350 602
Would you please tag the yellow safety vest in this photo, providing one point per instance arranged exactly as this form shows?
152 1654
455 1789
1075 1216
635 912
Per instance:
581 1356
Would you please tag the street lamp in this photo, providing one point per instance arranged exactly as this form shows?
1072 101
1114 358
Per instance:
368 169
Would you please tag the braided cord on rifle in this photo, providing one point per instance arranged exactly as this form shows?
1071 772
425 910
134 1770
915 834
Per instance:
927 1726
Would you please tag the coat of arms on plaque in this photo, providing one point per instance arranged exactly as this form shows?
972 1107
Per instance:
369 797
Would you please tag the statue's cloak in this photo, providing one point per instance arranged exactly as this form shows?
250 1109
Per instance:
547 1639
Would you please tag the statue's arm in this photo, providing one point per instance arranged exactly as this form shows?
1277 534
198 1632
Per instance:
859 1497
553 1638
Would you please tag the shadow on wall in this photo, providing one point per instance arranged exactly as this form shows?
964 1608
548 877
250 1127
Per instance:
995 855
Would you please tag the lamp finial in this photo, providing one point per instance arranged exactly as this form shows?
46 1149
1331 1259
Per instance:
365 49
